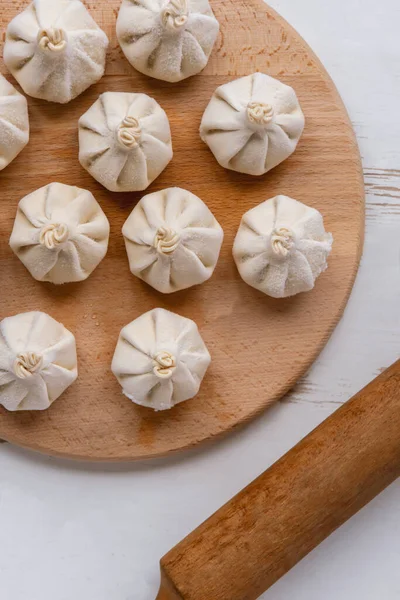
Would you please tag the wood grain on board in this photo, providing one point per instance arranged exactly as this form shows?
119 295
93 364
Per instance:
260 346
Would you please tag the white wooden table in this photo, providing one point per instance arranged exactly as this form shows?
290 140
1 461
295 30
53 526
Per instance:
97 532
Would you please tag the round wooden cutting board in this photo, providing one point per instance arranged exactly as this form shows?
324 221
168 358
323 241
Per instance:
260 346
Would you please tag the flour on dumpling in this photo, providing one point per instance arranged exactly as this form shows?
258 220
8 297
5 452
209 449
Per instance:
60 233
282 247
55 50
168 40
252 124
173 240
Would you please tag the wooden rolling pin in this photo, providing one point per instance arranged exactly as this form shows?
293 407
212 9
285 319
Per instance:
245 547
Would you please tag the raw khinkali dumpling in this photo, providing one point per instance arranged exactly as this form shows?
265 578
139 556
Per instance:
173 240
125 141
55 50
252 124
14 122
168 40
160 359
37 361
60 233
282 247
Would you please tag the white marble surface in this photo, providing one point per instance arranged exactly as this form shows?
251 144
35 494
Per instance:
97 533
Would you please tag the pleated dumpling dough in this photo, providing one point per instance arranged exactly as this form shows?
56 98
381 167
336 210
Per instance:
14 122
125 141
60 233
173 240
55 50
37 361
160 359
168 40
252 124
282 247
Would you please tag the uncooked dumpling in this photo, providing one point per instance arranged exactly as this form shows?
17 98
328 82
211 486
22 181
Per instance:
252 124
37 361
55 50
14 122
125 141
173 240
168 40
282 247
160 359
60 233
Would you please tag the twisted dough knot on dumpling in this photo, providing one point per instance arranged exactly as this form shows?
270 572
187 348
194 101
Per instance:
165 364
260 113
27 364
53 235
52 39
129 132
282 241
175 15
166 240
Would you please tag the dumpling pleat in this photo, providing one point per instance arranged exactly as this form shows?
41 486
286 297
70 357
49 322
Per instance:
188 269
252 156
38 71
237 93
67 266
134 174
157 155
133 27
11 138
84 60
204 243
185 383
168 59
90 252
48 12
273 279
57 379
316 253
192 57
229 144
12 394
36 395
24 26
253 268
58 346
159 275
75 18
131 359
156 127
141 258
203 28
16 331
167 329
300 277
220 116
38 261
13 109
142 49
280 146
141 335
